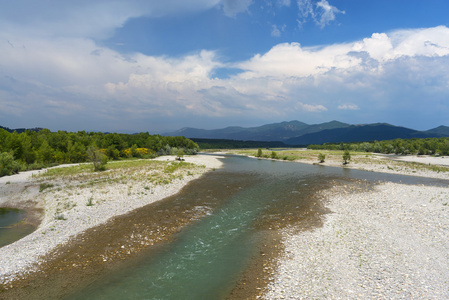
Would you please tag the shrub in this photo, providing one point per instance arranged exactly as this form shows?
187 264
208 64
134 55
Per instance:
8 165
98 158
274 155
259 153
321 157
346 157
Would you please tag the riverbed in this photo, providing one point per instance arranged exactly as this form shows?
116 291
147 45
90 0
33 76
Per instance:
202 241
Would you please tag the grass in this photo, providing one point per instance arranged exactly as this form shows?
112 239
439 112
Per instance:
44 186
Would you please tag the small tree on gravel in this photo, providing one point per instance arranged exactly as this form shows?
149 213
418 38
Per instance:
321 157
98 158
346 157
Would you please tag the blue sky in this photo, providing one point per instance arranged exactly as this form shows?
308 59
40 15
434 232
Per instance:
157 66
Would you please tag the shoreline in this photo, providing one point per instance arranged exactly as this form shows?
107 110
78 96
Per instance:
65 214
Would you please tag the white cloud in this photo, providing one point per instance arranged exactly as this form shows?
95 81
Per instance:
430 42
233 7
348 107
284 3
46 76
327 13
322 13
86 18
276 31
311 108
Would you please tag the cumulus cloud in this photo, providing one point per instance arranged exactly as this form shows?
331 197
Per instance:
47 75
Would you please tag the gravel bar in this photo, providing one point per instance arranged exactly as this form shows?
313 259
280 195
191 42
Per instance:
388 243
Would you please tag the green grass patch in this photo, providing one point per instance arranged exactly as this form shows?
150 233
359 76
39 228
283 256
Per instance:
44 186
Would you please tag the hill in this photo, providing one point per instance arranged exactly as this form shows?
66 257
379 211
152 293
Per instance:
20 130
299 133
270 132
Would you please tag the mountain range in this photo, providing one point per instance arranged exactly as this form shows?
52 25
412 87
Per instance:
299 133
20 130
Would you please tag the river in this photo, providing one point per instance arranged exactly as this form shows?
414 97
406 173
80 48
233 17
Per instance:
244 199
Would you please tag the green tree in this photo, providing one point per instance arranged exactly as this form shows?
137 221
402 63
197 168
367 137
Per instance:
8 165
273 155
321 157
98 159
346 157
259 153
45 153
180 154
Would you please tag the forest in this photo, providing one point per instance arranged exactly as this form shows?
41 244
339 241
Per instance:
38 149
427 146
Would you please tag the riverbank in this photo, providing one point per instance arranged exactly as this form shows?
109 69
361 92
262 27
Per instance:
413 165
70 205
390 241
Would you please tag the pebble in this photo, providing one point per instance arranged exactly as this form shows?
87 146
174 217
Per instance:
374 244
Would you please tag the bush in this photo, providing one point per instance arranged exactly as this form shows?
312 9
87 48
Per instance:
321 157
8 165
346 157
98 158
274 155
259 153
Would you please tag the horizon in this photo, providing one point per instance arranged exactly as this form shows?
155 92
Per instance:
142 66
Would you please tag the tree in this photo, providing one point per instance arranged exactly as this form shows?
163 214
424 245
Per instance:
259 153
321 157
8 165
45 153
98 158
180 154
274 155
346 157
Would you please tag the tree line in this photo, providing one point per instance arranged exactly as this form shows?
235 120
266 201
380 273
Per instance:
427 146
34 150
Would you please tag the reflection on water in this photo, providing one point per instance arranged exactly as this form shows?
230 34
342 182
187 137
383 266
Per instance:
11 228
246 197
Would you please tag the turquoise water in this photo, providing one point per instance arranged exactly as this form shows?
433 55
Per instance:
10 228
207 258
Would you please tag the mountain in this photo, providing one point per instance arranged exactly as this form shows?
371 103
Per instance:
270 132
356 133
439 131
20 130
299 133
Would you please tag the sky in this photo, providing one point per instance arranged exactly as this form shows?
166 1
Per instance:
157 66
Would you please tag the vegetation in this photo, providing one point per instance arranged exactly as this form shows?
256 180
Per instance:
8 165
205 144
346 157
427 146
37 149
321 157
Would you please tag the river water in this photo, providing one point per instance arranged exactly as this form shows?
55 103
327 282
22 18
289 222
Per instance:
244 200
11 226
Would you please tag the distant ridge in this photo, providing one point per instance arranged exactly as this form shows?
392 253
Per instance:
20 130
299 133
